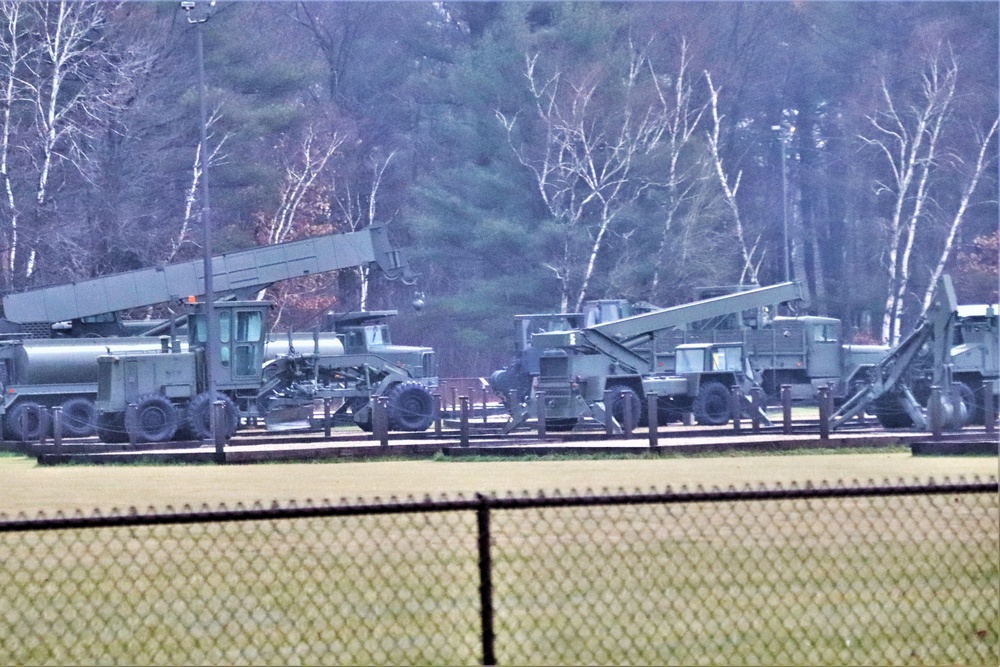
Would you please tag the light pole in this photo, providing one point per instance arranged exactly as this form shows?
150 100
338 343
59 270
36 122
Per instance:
783 139
211 334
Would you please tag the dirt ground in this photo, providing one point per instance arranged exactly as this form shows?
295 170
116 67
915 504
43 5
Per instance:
29 488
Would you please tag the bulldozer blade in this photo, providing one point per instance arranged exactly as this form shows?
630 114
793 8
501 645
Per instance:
297 418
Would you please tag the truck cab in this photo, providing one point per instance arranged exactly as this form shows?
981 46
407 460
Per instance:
367 333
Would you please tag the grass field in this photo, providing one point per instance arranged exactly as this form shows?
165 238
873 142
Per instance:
909 580
30 488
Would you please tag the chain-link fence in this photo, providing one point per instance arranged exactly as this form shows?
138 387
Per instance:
901 573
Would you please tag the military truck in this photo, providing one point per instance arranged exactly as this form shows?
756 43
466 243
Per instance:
37 374
519 375
169 389
691 369
953 347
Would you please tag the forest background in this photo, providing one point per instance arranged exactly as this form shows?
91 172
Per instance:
528 155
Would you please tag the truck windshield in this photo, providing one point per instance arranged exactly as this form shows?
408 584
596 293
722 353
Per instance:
727 359
690 360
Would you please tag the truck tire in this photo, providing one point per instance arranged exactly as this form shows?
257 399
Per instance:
28 421
411 407
622 395
110 427
890 413
199 415
78 417
973 399
155 419
711 407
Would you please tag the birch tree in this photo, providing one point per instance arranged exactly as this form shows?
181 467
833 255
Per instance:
686 172
591 136
751 260
908 136
356 199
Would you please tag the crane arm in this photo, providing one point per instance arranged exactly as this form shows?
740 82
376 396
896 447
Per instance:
617 338
237 272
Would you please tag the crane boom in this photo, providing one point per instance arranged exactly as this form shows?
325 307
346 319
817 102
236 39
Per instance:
617 338
241 272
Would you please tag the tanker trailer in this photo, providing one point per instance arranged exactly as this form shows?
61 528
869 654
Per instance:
44 373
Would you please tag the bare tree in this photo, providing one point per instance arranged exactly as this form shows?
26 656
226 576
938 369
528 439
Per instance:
307 162
685 177
908 137
750 259
215 158
983 159
584 168
14 52
358 206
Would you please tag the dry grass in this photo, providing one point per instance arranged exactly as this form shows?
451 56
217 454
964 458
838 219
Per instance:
29 488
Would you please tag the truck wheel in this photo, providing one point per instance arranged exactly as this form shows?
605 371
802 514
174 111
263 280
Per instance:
890 413
621 396
155 419
78 417
110 427
411 407
711 407
973 399
28 421
199 415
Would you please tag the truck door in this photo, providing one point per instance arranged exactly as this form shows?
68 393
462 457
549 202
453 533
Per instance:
824 350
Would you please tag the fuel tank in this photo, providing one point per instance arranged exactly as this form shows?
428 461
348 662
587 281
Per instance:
68 360
329 345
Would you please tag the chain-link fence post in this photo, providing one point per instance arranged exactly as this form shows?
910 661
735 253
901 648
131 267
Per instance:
326 417
485 579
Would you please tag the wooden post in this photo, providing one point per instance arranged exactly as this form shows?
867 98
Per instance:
380 420
220 419
627 416
609 425
653 412
540 412
57 429
786 408
130 426
734 408
437 414
934 410
824 413
757 408
463 429
989 408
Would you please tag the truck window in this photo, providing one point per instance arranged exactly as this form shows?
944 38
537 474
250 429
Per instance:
690 360
825 333
249 326
727 359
